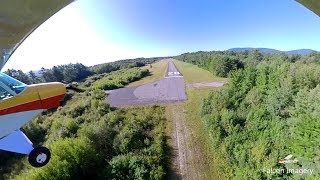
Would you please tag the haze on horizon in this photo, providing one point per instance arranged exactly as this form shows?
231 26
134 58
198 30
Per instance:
97 31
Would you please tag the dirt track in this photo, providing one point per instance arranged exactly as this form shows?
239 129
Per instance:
186 158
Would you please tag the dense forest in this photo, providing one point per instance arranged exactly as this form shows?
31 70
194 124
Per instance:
117 79
89 139
270 109
221 63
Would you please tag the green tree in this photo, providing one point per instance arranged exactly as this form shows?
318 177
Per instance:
57 74
19 75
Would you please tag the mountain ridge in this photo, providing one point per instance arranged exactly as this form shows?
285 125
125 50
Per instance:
273 51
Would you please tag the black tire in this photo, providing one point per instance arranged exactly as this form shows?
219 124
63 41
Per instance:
39 157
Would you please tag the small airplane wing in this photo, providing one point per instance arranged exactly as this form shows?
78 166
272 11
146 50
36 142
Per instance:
313 5
19 18
16 142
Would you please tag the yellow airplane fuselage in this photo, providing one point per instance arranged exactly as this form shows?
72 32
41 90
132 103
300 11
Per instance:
16 111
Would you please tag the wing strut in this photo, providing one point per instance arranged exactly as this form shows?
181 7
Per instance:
16 142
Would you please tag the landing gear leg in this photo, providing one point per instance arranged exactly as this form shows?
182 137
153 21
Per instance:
39 156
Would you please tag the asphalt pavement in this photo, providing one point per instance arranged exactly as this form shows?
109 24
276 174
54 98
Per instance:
170 89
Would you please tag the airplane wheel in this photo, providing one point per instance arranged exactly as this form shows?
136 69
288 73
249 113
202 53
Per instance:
39 156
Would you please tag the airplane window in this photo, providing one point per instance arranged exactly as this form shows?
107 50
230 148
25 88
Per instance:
12 86
4 94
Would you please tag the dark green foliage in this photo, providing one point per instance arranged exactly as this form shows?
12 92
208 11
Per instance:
116 79
19 75
76 72
123 64
91 140
62 73
72 158
221 66
104 68
125 144
221 63
267 111
67 73
129 166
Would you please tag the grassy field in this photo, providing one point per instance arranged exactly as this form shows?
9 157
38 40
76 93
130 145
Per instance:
200 162
199 137
194 74
192 107
157 72
199 141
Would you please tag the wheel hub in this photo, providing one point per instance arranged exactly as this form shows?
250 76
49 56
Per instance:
41 158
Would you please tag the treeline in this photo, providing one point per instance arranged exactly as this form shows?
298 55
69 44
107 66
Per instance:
114 80
76 72
62 73
269 109
222 63
89 139
127 63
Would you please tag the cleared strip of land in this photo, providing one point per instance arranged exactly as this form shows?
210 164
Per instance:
157 72
206 84
167 90
194 74
189 138
192 156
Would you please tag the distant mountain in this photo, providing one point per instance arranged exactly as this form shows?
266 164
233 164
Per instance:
273 51
263 50
300 51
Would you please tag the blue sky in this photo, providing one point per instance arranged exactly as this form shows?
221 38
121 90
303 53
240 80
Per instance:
97 31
